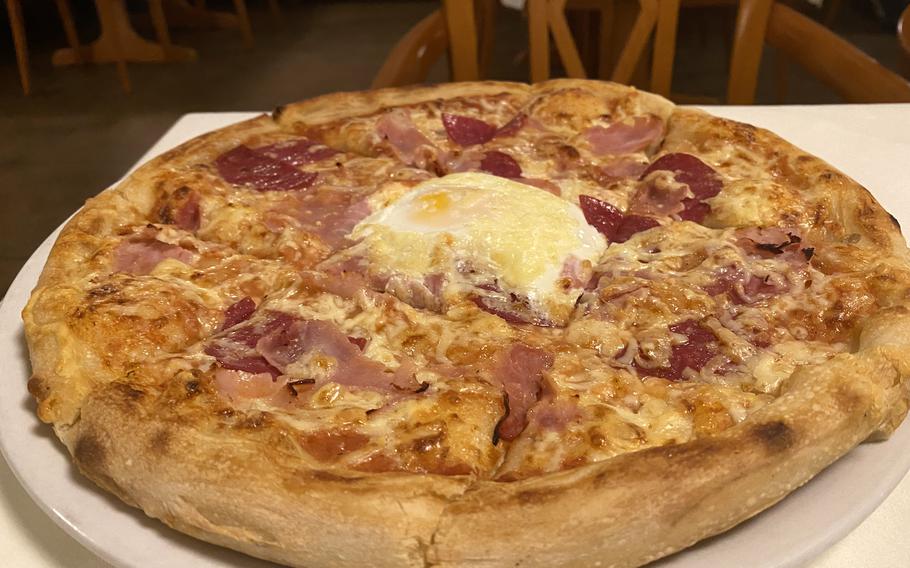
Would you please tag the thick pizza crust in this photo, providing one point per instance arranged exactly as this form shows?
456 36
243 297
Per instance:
234 487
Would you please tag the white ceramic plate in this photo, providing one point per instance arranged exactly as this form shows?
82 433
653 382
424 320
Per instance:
790 534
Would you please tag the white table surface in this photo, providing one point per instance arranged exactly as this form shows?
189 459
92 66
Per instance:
839 134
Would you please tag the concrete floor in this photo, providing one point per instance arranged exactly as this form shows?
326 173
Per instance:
78 132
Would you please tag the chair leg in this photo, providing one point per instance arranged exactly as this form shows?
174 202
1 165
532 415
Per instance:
637 41
539 39
605 55
748 40
486 17
159 22
664 47
562 37
19 40
106 12
69 28
462 30
246 30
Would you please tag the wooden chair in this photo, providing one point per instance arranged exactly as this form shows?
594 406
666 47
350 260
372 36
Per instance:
20 42
835 62
464 28
547 17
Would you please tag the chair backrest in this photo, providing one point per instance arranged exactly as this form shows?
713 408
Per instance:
410 60
834 61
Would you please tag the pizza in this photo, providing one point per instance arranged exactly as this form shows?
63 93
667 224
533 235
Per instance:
485 324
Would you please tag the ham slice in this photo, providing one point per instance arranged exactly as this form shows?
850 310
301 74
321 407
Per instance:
240 385
181 208
508 306
624 137
467 131
246 167
743 288
238 312
701 179
254 356
345 278
611 222
622 167
520 370
235 348
188 216
699 176
658 196
554 414
407 142
139 256
774 242
328 213
286 345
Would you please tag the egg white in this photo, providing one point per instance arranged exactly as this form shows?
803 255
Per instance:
511 234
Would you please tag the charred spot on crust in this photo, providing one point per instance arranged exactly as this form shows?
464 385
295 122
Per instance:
90 454
776 436
160 442
279 110
895 221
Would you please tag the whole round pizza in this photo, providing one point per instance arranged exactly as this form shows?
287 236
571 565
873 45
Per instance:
483 324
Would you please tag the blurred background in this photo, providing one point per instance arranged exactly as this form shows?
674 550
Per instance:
84 122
